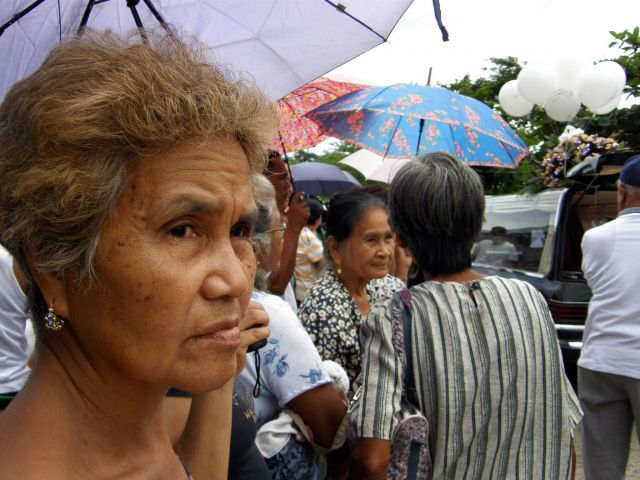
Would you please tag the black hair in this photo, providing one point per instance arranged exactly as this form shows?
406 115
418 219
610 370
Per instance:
436 204
315 210
380 190
346 210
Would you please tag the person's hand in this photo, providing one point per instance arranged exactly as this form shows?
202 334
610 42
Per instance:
298 213
300 437
253 328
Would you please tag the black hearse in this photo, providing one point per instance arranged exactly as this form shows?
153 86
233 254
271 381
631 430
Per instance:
546 230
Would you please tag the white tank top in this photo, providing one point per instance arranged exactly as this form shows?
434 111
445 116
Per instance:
14 345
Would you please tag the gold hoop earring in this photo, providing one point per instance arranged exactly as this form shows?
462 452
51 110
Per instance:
52 322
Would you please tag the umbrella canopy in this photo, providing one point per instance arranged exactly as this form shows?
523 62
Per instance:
388 169
373 166
316 178
282 44
365 161
298 132
404 120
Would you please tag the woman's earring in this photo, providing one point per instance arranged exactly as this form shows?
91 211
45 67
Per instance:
52 322
339 270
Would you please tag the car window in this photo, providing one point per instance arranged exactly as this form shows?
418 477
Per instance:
518 231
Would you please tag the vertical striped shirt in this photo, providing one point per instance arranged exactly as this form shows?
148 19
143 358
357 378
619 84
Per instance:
489 376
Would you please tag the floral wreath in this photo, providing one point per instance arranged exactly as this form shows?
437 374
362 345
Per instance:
570 152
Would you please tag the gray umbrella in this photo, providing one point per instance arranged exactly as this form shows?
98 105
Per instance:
316 178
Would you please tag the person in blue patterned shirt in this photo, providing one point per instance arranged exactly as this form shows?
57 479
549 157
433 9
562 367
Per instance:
291 374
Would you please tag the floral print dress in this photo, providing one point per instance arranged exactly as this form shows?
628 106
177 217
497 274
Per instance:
332 318
289 363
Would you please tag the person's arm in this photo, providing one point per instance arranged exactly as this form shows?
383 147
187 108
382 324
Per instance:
323 409
204 443
375 419
370 459
297 216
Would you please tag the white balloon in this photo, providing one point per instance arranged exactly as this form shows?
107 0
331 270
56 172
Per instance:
563 105
536 83
597 86
615 70
512 102
608 107
568 69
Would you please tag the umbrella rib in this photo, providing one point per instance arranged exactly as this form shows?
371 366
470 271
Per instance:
19 15
85 17
508 153
136 18
342 9
391 139
154 11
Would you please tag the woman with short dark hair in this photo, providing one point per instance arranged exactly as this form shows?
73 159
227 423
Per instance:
486 361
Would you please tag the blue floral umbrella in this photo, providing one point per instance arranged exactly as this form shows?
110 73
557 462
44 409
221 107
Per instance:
404 120
316 178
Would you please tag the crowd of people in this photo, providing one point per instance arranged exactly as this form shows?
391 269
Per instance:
192 322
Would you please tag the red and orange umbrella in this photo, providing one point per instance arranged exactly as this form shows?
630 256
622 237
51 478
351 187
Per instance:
298 132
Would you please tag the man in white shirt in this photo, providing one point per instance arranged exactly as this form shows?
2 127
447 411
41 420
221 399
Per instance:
609 364
495 250
14 342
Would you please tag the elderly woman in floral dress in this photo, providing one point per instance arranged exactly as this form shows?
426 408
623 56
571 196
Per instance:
360 244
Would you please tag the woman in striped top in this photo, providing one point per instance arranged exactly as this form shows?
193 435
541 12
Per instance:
486 361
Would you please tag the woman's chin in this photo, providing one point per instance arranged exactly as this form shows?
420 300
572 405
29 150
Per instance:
378 273
205 380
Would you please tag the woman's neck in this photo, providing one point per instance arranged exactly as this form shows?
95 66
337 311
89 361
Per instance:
114 430
465 276
357 288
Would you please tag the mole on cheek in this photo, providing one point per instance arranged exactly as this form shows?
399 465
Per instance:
121 243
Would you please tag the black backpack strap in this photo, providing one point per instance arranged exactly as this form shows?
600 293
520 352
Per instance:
409 390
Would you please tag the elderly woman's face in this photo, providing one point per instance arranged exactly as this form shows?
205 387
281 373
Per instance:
367 251
175 268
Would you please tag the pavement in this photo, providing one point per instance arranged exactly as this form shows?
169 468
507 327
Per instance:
633 466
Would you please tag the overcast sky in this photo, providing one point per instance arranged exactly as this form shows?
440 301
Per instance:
480 29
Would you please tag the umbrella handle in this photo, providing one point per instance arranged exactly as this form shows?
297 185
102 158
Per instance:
286 162
420 135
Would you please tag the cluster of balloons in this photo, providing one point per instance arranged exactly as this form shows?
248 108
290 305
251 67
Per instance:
562 85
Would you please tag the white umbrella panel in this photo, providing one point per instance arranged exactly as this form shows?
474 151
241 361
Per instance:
282 44
373 166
